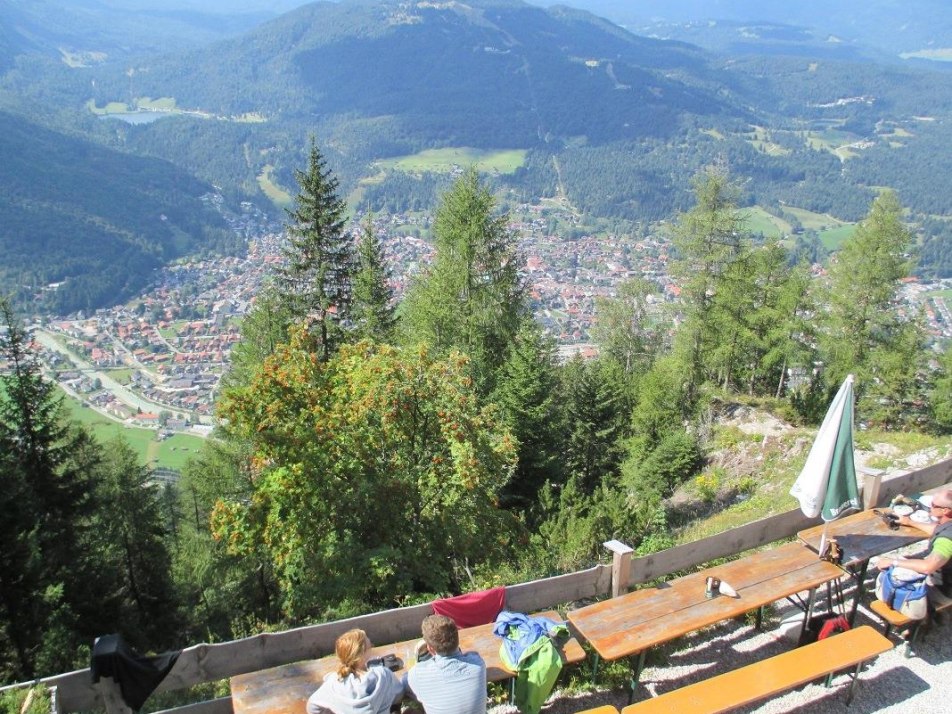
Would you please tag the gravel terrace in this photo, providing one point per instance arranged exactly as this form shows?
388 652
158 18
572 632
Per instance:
892 683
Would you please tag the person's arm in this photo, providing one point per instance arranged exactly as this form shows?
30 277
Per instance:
927 528
939 555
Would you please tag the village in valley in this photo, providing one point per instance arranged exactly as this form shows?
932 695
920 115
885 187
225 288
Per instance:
157 362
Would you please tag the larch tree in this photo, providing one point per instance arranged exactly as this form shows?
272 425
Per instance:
709 239
316 280
472 298
626 330
868 332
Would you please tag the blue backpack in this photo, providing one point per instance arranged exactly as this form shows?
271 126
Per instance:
905 596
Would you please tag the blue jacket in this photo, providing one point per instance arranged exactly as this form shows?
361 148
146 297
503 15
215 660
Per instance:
527 648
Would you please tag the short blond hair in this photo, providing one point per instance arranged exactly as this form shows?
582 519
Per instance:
441 633
351 648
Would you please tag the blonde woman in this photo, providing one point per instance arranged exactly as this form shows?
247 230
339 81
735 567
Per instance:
355 688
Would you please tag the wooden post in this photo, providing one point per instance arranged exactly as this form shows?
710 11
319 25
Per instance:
872 482
621 565
112 697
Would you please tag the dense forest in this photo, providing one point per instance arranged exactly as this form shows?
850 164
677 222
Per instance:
373 454
94 221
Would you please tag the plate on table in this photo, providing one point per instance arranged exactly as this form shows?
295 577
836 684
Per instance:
902 510
920 517
926 500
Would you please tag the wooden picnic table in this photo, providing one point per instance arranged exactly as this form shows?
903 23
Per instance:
862 536
286 688
631 624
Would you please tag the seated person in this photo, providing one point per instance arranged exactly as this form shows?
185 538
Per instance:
356 688
448 681
937 560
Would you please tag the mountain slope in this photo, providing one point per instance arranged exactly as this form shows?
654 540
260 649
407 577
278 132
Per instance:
487 73
92 219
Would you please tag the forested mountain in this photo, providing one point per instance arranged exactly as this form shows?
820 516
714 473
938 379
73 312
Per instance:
86 32
94 220
845 26
613 122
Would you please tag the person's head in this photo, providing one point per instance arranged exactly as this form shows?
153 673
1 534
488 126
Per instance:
942 505
441 634
352 649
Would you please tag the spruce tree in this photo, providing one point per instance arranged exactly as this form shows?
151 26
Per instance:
131 529
45 475
315 281
526 392
372 311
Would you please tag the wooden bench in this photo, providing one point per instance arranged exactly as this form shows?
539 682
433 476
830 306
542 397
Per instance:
895 619
285 689
607 709
772 676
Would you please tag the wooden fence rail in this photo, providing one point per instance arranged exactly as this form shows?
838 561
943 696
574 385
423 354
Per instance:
212 662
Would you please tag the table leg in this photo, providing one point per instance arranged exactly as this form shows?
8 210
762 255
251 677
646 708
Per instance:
636 674
852 689
860 581
594 668
808 612
760 617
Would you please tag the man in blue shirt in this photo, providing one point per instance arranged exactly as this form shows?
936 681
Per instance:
448 681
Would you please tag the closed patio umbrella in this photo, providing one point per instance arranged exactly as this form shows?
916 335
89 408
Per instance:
826 486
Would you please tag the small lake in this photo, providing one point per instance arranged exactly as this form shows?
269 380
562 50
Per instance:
136 117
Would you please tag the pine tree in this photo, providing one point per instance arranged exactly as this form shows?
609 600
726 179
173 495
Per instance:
473 298
372 311
316 280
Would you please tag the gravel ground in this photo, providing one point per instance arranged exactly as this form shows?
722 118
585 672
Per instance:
921 684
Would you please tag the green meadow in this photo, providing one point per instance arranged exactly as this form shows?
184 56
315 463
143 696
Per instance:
759 221
278 195
171 453
832 238
445 160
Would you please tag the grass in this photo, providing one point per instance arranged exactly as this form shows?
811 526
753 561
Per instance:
172 453
123 375
446 160
776 472
832 238
162 104
760 139
946 294
759 221
278 196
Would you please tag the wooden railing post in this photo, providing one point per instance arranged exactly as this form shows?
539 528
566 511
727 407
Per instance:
872 483
112 697
621 565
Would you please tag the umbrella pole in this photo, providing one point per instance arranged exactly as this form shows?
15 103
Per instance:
823 536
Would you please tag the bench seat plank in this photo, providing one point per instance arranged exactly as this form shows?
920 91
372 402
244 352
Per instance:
286 688
769 677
